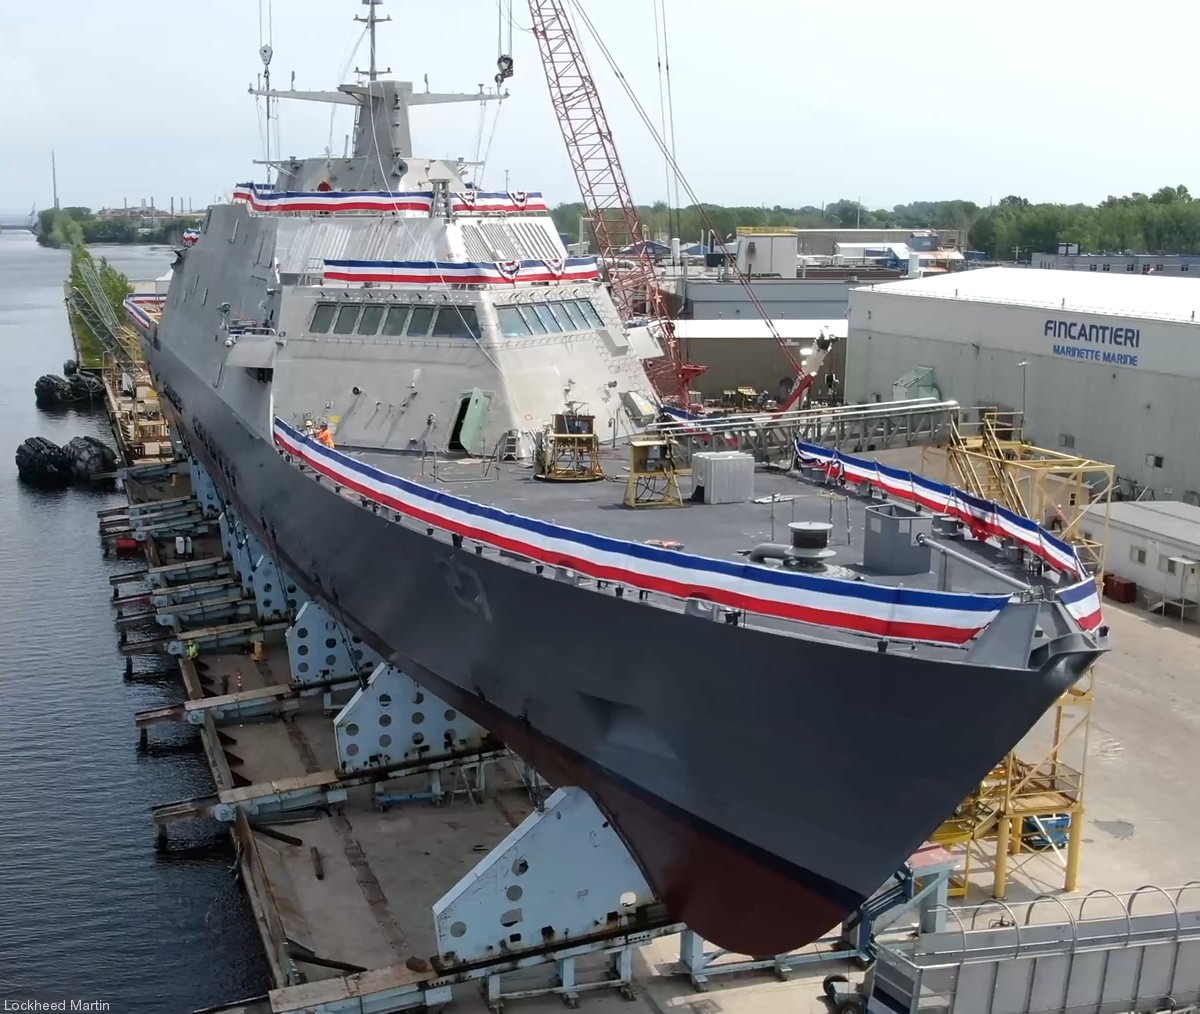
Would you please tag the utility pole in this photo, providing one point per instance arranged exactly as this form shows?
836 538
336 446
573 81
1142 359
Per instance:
506 181
54 178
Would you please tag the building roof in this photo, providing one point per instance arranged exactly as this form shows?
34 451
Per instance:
901 251
789 330
1167 519
1130 295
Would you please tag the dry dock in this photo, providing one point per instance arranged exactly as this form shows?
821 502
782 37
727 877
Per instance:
344 868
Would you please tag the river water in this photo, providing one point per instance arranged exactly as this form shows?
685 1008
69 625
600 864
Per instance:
89 909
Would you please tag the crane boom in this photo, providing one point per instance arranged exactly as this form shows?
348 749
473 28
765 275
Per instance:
605 192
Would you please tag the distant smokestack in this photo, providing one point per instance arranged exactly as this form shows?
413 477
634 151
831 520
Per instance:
172 207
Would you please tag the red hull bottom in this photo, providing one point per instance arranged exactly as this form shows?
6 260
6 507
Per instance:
728 897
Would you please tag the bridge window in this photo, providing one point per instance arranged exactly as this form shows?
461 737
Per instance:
546 315
322 317
372 314
418 323
585 307
532 319
512 324
346 317
393 326
456 322
567 311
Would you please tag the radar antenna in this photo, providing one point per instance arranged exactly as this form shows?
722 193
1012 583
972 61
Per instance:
371 20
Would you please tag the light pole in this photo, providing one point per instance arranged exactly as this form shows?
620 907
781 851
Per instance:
1023 367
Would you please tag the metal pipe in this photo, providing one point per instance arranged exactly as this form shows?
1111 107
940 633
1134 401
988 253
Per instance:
970 561
769 551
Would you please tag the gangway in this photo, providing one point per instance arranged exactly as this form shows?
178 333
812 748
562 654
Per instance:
852 428
1104 957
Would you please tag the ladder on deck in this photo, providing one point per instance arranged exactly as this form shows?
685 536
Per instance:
979 463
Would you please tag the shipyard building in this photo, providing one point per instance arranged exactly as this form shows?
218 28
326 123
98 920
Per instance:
1103 366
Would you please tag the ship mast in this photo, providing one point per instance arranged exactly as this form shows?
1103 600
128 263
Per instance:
383 105
371 20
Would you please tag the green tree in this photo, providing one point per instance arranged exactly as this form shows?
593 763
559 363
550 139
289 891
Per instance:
87 319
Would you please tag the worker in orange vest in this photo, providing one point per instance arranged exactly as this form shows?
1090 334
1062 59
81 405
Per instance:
324 436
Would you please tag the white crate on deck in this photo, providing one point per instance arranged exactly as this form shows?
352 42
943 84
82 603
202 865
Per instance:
727 476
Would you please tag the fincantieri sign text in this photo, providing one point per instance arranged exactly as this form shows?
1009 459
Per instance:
1092 342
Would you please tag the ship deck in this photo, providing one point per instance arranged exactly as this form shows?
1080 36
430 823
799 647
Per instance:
720 531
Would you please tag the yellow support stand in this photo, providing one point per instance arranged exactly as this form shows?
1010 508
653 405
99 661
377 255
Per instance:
652 478
1070 496
571 451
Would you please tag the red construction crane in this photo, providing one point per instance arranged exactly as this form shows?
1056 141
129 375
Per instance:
606 200
612 212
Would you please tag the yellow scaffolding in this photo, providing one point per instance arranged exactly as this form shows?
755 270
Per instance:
1062 492
1003 825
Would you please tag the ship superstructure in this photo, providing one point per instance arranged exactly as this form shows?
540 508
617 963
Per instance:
693 671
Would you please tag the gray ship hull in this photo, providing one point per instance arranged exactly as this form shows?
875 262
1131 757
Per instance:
671 723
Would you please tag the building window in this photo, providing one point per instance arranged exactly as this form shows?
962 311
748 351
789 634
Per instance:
1166 564
1137 555
1158 267
1184 267
1154 461
1130 267
1107 266
1087 536
1066 440
1091 267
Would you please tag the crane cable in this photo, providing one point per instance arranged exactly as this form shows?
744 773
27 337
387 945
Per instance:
683 180
670 109
662 109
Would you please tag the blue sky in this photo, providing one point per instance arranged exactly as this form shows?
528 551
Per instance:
785 102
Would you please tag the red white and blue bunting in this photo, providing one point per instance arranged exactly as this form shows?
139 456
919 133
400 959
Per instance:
569 269
265 200
878 610
985 519
135 307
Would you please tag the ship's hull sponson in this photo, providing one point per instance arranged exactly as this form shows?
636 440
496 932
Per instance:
766 785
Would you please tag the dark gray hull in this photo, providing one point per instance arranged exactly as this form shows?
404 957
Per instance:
766 784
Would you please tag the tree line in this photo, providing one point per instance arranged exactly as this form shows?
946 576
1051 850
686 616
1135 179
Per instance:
67 227
1166 221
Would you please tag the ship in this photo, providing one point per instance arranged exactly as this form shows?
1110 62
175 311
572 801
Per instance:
440 426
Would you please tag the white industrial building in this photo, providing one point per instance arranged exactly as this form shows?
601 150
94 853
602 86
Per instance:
1104 366
1155 544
